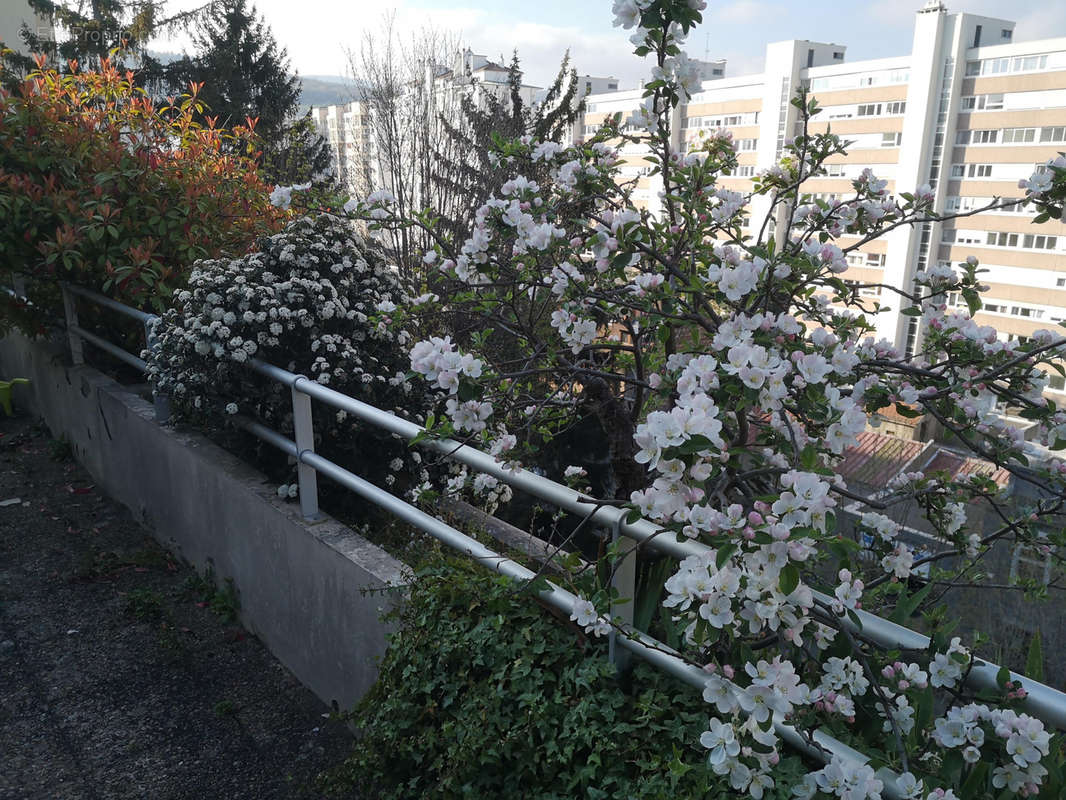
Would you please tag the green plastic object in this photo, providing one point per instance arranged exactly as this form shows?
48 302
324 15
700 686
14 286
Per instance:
5 394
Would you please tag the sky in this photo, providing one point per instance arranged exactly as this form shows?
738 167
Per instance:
319 33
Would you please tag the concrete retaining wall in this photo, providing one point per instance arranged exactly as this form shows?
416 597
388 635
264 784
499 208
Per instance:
302 588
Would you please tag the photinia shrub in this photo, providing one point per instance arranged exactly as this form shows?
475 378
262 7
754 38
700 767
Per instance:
314 299
100 187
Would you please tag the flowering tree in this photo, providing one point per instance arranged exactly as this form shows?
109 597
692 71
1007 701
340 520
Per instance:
730 372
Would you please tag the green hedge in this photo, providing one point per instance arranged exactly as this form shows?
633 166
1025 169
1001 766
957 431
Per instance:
483 694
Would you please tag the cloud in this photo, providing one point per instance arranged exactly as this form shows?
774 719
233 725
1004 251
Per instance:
319 33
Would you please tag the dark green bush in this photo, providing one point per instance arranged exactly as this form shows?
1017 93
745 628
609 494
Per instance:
484 694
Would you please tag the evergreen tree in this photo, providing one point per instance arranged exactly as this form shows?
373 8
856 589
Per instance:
298 155
467 181
245 74
90 32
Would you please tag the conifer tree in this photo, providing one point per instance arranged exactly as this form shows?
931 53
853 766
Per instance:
298 155
245 73
87 33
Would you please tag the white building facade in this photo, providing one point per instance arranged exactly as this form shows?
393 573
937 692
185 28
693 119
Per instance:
969 112
347 128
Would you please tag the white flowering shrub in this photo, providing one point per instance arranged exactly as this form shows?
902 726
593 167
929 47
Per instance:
316 299
730 368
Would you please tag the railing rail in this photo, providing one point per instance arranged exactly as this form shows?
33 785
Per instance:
1042 701
76 335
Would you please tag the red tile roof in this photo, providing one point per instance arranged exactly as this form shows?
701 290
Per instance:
877 458
958 465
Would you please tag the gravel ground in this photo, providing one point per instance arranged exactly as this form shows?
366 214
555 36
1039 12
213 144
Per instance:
120 676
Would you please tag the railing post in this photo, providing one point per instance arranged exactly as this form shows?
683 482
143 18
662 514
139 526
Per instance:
624 582
160 401
70 312
305 443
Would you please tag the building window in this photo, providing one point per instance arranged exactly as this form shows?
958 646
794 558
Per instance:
745 170
1027 564
898 107
1025 311
1019 135
1060 282
1000 66
977 137
1006 34
834 170
891 139
612 86
838 56
971 170
869 110
1001 239
1056 133
747 145
983 102
1039 241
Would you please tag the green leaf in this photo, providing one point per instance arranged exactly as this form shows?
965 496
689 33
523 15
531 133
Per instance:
907 411
1034 662
1002 677
723 555
695 444
924 714
790 578
975 781
906 606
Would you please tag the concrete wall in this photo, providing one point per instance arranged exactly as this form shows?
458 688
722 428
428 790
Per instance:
301 587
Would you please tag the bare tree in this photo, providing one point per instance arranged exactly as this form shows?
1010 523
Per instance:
400 78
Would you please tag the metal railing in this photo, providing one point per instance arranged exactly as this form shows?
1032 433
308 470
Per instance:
1042 701
76 335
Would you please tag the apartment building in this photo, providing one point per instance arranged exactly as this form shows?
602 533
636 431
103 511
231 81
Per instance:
599 106
969 112
347 129
351 135
475 76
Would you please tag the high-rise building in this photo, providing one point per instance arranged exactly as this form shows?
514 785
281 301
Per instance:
969 112
346 127
628 102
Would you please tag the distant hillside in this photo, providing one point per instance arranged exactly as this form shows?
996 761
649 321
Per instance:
316 90
324 91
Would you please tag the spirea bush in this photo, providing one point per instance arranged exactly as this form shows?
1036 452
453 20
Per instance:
315 299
